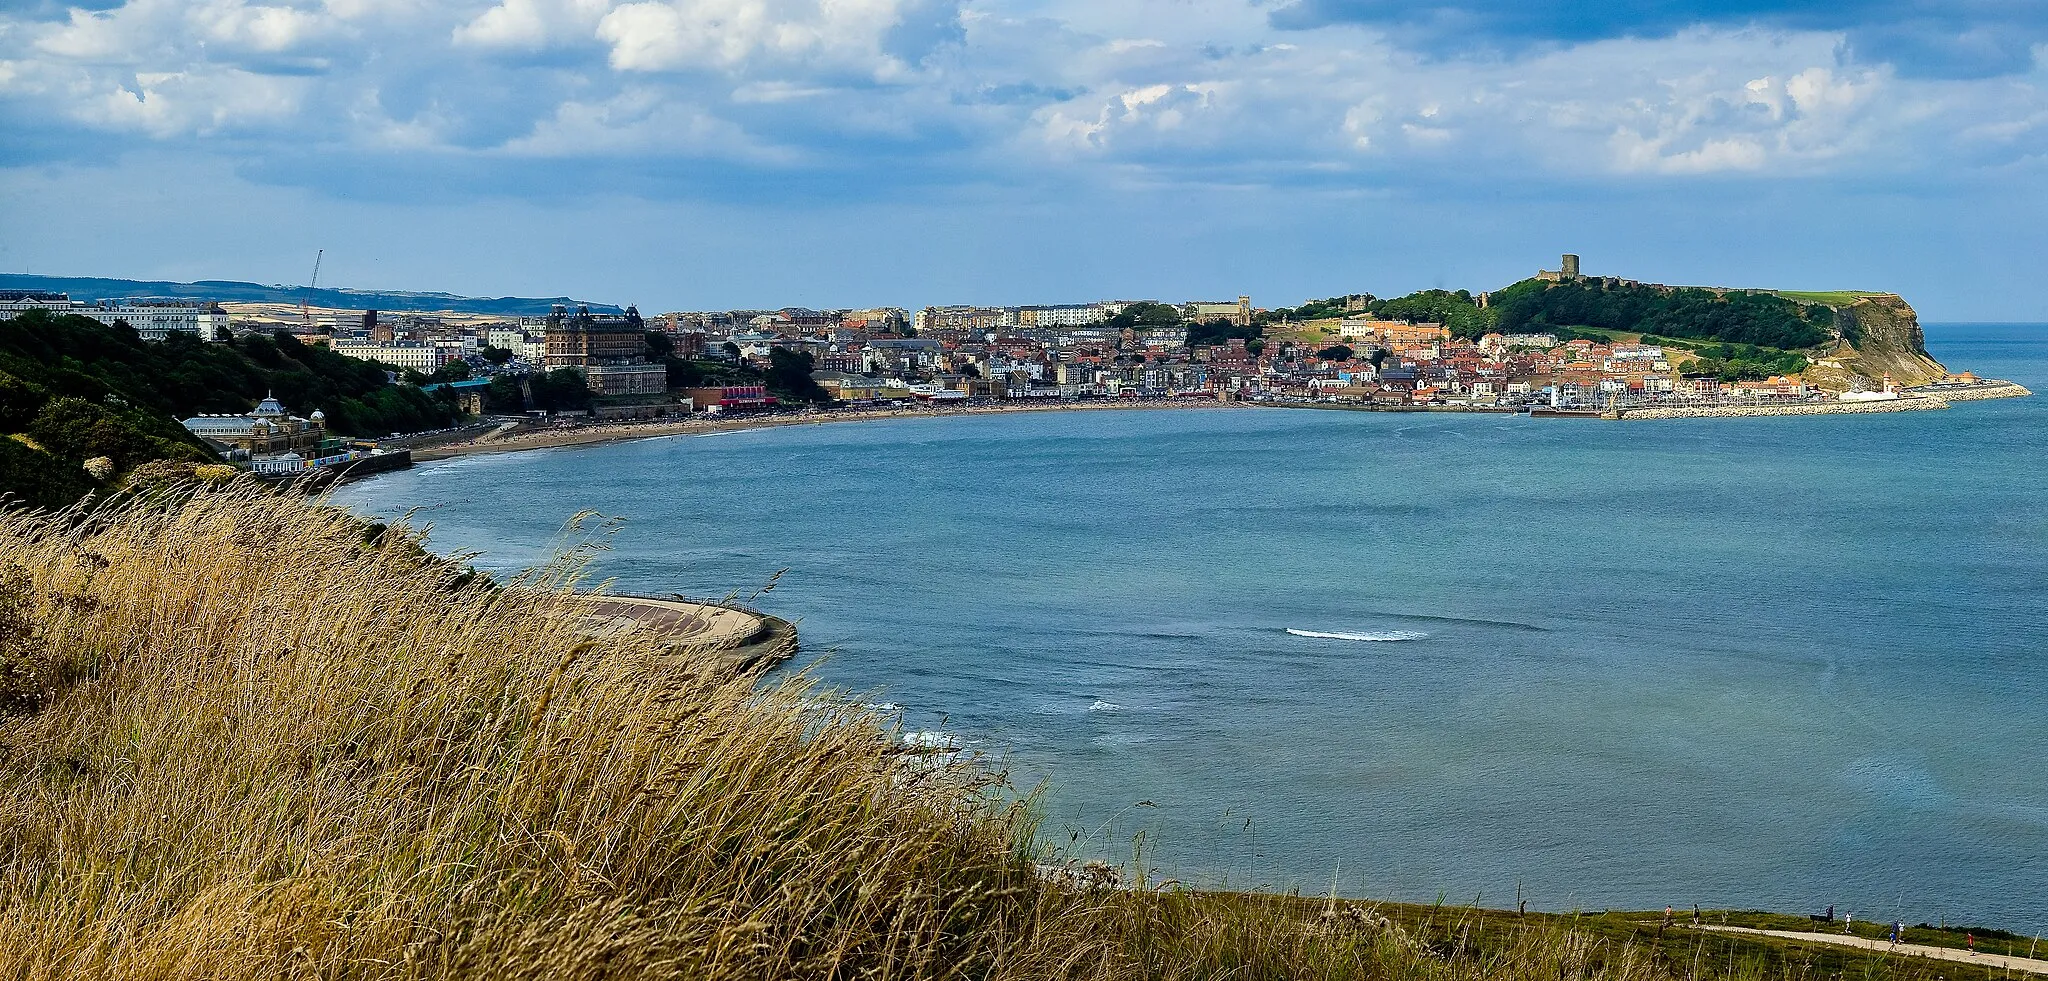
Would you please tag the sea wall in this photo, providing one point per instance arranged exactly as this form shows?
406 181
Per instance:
1980 392
1796 409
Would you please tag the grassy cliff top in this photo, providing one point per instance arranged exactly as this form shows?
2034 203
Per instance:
1833 298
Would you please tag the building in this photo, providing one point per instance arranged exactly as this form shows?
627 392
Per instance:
267 430
964 318
1062 315
609 349
731 397
16 302
423 358
583 339
611 380
154 320
1239 314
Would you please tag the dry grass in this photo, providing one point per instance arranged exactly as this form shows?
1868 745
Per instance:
243 742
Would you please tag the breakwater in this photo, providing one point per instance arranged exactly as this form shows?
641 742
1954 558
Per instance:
1911 404
1933 397
1977 393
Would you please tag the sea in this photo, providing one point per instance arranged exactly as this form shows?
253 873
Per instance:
1780 663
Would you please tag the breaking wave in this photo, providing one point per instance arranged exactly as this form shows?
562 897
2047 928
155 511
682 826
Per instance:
1386 636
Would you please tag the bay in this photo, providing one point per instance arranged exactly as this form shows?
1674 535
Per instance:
1758 663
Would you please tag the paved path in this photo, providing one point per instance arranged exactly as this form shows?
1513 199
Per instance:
1998 962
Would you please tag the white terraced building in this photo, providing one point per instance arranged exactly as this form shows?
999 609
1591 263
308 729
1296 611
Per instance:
158 319
153 319
423 358
14 303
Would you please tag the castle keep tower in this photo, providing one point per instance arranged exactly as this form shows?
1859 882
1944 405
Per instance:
1565 273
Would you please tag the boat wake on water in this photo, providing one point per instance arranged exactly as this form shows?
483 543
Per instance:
1387 636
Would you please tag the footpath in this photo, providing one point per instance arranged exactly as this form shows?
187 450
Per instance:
1996 962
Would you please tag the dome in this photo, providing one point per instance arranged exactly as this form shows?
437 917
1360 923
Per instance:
318 416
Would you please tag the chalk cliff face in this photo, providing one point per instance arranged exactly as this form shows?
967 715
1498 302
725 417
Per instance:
1879 334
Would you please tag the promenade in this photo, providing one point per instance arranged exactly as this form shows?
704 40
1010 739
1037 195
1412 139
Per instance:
1995 962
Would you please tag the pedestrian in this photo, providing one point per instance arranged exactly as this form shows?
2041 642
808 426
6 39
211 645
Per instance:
1695 914
1898 928
1848 923
1970 941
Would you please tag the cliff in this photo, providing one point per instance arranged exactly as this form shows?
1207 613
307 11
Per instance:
1876 334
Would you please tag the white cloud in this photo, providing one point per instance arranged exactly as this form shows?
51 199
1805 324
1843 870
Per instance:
1168 89
532 24
673 35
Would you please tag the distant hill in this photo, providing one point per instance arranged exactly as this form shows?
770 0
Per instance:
229 291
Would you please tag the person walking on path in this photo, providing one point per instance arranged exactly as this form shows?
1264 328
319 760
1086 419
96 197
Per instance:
1970 941
1898 928
1848 923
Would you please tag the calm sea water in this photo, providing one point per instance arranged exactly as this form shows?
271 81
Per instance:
1779 663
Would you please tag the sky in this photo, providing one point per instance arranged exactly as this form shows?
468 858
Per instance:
712 154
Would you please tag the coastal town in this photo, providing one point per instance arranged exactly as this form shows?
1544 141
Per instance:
593 366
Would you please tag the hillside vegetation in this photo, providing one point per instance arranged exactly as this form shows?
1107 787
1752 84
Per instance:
1754 318
73 389
246 737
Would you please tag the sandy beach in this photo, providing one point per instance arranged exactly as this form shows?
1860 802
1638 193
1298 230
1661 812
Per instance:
546 435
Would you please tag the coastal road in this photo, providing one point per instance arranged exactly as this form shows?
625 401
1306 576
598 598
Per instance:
1996 962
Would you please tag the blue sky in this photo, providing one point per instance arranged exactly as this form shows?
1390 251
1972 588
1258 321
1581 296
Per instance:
685 154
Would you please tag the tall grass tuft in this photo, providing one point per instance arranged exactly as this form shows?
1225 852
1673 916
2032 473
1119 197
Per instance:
243 739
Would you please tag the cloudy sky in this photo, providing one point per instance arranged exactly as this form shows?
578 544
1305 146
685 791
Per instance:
715 153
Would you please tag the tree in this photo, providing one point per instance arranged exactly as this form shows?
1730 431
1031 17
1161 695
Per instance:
1218 331
732 351
1737 316
454 371
560 390
495 355
789 376
503 395
1335 352
1146 314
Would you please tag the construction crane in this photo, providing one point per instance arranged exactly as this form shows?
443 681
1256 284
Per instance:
305 308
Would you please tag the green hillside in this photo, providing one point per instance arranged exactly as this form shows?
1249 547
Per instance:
73 389
1755 318
1833 298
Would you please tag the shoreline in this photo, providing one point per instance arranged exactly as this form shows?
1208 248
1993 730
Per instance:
509 437
589 435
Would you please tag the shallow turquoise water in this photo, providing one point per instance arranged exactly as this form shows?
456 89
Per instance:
1779 663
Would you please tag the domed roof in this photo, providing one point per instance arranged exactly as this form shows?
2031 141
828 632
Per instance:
270 406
